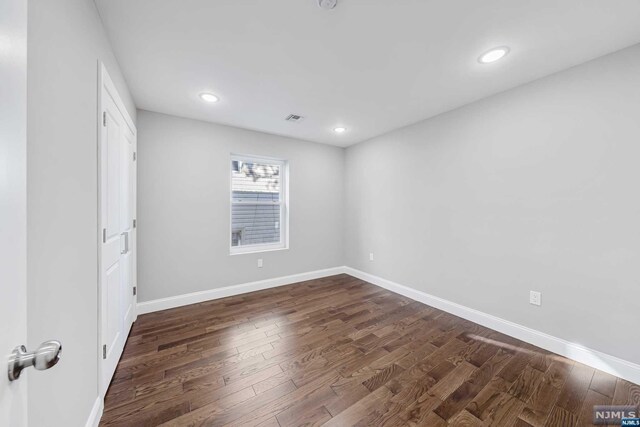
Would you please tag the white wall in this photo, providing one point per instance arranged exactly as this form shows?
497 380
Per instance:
183 206
532 189
535 188
65 41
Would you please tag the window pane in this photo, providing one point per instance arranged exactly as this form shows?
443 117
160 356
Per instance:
255 181
255 196
255 224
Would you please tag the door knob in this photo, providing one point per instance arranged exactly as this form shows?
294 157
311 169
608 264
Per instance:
46 356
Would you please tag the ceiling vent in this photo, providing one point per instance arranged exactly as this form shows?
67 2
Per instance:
327 4
294 118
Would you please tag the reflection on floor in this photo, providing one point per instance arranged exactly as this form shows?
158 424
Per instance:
342 351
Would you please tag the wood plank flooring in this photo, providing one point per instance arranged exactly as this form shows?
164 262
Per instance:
338 352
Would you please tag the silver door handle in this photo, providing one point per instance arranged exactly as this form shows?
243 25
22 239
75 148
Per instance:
46 356
126 242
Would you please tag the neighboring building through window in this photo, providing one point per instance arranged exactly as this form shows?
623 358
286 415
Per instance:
258 204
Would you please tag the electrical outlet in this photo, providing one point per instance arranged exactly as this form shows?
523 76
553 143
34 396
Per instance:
259 262
535 297
370 256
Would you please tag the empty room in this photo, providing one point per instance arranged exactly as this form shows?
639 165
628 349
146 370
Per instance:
319 212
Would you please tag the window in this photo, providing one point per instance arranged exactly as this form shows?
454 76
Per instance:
258 204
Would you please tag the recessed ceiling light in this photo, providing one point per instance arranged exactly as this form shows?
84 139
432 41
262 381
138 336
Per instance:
340 129
493 55
209 97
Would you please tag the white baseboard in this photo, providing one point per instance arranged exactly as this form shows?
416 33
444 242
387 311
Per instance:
596 359
195 297
96 413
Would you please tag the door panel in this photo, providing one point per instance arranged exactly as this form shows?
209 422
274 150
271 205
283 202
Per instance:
111 275
127 290
112 138
126 223
13 214
113 335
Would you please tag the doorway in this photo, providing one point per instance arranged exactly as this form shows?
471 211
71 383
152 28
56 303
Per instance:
117 227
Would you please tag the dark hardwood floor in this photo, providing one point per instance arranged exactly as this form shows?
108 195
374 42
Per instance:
339 351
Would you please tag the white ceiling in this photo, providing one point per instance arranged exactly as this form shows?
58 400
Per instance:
369 65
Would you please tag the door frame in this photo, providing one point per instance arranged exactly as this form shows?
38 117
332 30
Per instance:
105 83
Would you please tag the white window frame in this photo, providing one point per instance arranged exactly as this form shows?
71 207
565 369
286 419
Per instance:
284 206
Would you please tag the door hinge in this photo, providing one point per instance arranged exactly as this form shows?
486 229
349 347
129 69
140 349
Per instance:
104 235
135 290
135 156
104 351
135 223
104 118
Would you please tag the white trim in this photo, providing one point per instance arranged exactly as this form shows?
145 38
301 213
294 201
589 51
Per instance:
258 251
257 248
96 413
596 359
211 294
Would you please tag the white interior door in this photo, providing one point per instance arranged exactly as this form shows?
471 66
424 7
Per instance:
117 203
13 214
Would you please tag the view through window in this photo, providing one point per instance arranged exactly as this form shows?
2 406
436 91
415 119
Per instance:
258 204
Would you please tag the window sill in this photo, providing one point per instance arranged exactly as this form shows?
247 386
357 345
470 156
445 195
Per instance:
258 250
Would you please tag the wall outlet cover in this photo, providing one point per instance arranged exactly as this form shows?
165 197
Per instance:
535 297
